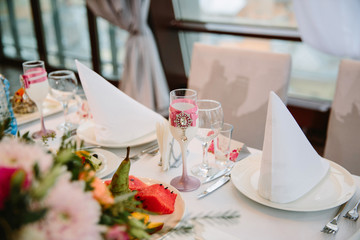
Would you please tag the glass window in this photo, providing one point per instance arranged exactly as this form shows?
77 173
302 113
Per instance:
112 41
274 13
17 30
66 32
313 73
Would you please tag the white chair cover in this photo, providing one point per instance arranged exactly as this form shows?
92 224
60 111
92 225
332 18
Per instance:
241 80
343 134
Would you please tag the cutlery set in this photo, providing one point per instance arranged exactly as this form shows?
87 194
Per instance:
332 227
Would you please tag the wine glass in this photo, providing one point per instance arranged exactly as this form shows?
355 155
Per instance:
211 119
36 86
63 86
183 116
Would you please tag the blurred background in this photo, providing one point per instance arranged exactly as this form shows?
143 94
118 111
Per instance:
59 31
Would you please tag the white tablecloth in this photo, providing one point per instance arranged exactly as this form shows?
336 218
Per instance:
256 221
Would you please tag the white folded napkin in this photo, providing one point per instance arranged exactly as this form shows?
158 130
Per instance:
164 138
290 167
117 117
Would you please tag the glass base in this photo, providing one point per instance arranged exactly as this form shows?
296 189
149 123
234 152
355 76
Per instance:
41 134
185 184
67 126
201 171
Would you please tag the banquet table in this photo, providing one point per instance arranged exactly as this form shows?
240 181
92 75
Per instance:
256 221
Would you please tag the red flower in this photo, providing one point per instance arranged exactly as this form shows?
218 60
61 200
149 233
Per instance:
6 175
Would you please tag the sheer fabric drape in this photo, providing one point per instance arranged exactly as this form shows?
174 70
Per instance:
143 77
331 26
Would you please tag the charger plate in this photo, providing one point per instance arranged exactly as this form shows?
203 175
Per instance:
337 187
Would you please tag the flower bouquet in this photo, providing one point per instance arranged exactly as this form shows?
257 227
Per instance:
53 195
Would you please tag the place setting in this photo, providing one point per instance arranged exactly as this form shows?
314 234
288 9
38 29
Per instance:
289 174
117 120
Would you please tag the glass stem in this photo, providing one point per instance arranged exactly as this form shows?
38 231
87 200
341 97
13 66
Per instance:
205 163
66 110
40 109
183 146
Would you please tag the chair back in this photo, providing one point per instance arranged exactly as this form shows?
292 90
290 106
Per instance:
343 133
241 80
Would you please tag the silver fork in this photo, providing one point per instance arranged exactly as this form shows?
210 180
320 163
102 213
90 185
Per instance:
331 227
353 213
152 150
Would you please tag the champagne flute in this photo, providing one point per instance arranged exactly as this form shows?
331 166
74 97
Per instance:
36 86
63 86
211 119
183 114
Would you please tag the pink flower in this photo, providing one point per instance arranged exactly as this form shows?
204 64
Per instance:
15 154
117 232
5 180
233 155
73 213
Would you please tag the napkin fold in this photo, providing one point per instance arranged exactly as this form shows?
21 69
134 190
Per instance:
169 149
163 139
290 167
117 118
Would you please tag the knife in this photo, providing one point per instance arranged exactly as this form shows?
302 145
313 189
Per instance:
224 179
219 174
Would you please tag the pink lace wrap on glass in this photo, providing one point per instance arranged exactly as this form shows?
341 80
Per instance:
34 75
183 119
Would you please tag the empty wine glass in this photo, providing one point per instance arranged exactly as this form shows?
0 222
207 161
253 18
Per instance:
211 119
63 86
183 116
36 85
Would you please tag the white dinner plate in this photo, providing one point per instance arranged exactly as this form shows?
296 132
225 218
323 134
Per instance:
110 162
86 132
170 220
337 187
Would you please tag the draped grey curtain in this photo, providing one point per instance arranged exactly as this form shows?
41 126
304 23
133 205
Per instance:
143 77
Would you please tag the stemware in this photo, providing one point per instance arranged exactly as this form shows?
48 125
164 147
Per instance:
63 86
211 119
36 85
183 114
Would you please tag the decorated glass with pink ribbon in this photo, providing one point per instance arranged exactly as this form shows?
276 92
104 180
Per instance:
183 118
36 85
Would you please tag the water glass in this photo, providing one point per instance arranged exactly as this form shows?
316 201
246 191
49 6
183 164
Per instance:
63 86
222 144
211 118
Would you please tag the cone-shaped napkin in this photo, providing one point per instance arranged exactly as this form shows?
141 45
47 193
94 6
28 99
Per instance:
290 167
117 118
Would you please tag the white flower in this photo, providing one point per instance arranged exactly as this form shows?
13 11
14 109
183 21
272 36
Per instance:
73 213
21 155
